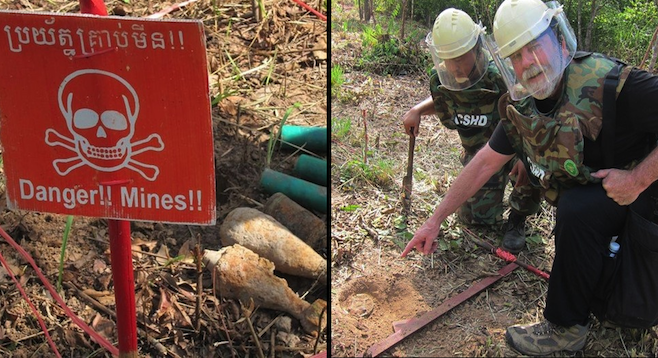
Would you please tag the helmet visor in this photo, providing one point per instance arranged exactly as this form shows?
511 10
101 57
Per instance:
461 72
536 68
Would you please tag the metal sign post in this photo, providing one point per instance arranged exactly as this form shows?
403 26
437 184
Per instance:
124 286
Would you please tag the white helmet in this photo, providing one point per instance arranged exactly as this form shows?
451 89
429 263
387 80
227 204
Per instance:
518 23
455 35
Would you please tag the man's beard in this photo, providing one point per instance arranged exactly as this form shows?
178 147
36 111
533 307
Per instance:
543 85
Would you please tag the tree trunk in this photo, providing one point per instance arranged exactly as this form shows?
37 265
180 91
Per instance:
652 64
360 2
650 49
367 10
590 26
404 12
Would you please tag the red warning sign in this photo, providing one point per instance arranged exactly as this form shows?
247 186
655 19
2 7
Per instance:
106 117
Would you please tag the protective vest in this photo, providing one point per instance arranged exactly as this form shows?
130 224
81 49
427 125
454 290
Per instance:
472 112
552 145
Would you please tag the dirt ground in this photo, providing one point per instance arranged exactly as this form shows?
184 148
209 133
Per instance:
372 286
251 108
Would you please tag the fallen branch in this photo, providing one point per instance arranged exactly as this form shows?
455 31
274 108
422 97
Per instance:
247 311
199 287
101 307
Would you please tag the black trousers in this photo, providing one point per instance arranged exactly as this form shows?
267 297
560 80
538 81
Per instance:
585 223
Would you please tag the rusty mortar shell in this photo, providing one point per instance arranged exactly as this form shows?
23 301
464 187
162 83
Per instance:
242 275
265 236
301 222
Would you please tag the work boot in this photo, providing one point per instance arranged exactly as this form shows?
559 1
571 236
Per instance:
545 338
514 238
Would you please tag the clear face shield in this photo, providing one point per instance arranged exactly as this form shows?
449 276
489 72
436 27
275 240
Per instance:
536 68
461 72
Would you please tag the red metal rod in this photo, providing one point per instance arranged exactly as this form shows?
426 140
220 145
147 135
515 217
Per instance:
506 255
124 286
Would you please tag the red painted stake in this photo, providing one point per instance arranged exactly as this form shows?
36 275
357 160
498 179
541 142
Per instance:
124 286
120 254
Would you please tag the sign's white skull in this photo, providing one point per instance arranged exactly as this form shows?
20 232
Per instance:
100 109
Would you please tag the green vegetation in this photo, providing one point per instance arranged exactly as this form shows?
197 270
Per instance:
351 25
65 239
620 28
384 53
362 165
378 172
340 128
276 133
337 79
625 31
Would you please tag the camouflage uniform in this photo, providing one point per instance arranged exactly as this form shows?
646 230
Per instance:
552 147
554 150
474 114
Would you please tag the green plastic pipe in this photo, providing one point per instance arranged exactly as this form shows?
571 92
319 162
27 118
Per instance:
313 139
306 194
312 169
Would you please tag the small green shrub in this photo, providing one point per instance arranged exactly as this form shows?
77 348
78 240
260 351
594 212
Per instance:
340 127
385 54
379 173
371 35
337 79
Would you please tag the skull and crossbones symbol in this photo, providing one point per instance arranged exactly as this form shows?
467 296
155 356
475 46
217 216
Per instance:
102 123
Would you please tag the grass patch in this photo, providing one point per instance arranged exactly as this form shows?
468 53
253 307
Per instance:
65 239
276 134
340 128
379 172
337 79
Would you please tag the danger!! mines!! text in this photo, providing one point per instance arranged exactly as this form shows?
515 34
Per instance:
131 197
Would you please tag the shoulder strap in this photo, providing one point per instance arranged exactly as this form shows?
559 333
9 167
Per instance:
610 115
